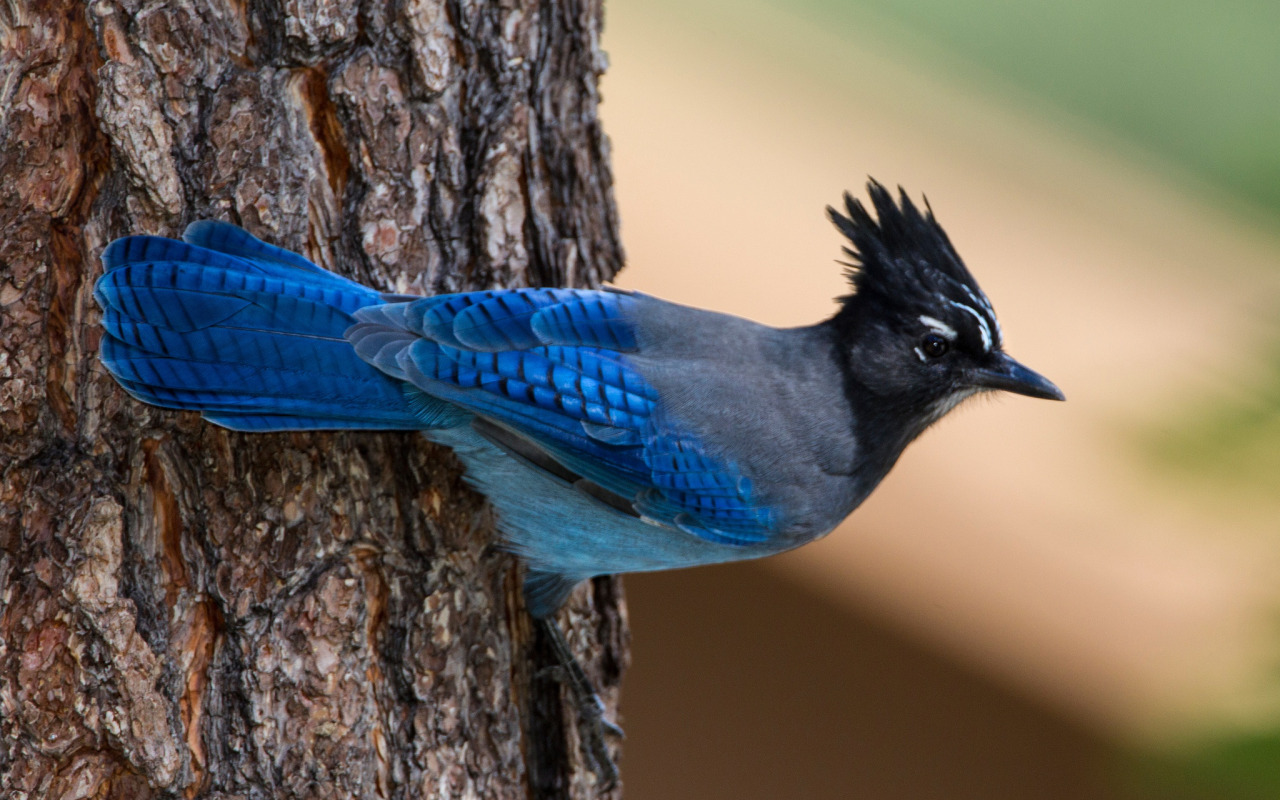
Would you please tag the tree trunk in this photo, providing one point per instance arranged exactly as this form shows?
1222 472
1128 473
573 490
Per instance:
197 613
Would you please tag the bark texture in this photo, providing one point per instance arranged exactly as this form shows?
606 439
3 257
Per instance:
188 612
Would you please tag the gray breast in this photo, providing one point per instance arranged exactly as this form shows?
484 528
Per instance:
771 400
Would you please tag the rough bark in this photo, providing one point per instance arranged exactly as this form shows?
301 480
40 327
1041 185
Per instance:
197 613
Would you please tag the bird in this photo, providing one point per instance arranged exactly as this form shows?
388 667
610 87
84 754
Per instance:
612 431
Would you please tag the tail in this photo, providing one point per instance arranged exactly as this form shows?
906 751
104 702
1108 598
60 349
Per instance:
247 334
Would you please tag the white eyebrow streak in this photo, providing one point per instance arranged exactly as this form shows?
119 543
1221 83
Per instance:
939 327
984 327
981 300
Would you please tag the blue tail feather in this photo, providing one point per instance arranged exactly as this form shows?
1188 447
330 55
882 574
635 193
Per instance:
143 248
277 423
207 290
225 387
248 334
223 237
257 338
327 358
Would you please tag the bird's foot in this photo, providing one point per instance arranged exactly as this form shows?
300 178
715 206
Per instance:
592 727
593 724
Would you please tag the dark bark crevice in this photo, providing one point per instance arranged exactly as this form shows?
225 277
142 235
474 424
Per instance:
191 612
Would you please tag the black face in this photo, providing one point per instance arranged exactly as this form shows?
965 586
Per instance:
921 334
958 351
923 366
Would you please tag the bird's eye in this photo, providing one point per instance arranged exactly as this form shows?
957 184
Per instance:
934 346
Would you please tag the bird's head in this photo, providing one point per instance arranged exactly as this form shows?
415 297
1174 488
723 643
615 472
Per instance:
919 333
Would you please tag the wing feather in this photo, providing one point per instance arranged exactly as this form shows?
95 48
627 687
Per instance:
550 366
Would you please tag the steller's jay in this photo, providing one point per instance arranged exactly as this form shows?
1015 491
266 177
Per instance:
612 431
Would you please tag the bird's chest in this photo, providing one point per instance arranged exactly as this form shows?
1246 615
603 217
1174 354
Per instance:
788 433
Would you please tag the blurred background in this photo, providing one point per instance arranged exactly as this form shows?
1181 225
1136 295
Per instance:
1043 600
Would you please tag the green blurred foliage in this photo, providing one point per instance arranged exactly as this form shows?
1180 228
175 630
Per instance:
1244 766
1195 83
1228 449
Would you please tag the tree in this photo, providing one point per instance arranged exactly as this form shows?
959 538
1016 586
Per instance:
192 612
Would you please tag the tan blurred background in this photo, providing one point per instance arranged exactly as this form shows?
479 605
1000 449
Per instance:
1043 600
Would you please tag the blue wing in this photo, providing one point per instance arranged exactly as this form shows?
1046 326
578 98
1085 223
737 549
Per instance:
258 338
550 367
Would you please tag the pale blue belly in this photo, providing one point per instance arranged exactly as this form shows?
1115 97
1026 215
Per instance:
556 528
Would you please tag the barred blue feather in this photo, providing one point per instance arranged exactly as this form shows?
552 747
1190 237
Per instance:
257 338
254 343
585 405
612 432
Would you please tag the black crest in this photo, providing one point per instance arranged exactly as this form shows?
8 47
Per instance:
903 255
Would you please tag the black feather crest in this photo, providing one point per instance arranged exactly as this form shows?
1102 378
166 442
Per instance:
901 255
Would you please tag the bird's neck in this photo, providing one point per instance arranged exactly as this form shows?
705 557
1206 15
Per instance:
883 429
884 422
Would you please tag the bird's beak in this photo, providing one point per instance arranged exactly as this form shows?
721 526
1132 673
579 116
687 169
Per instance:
1010 376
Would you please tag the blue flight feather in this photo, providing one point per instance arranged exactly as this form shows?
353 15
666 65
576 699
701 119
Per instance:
259 339
189 327
611 432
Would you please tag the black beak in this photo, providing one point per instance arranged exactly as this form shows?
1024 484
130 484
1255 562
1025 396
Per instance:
1010 376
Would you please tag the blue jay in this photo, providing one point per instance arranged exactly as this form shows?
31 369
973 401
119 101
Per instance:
612 431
